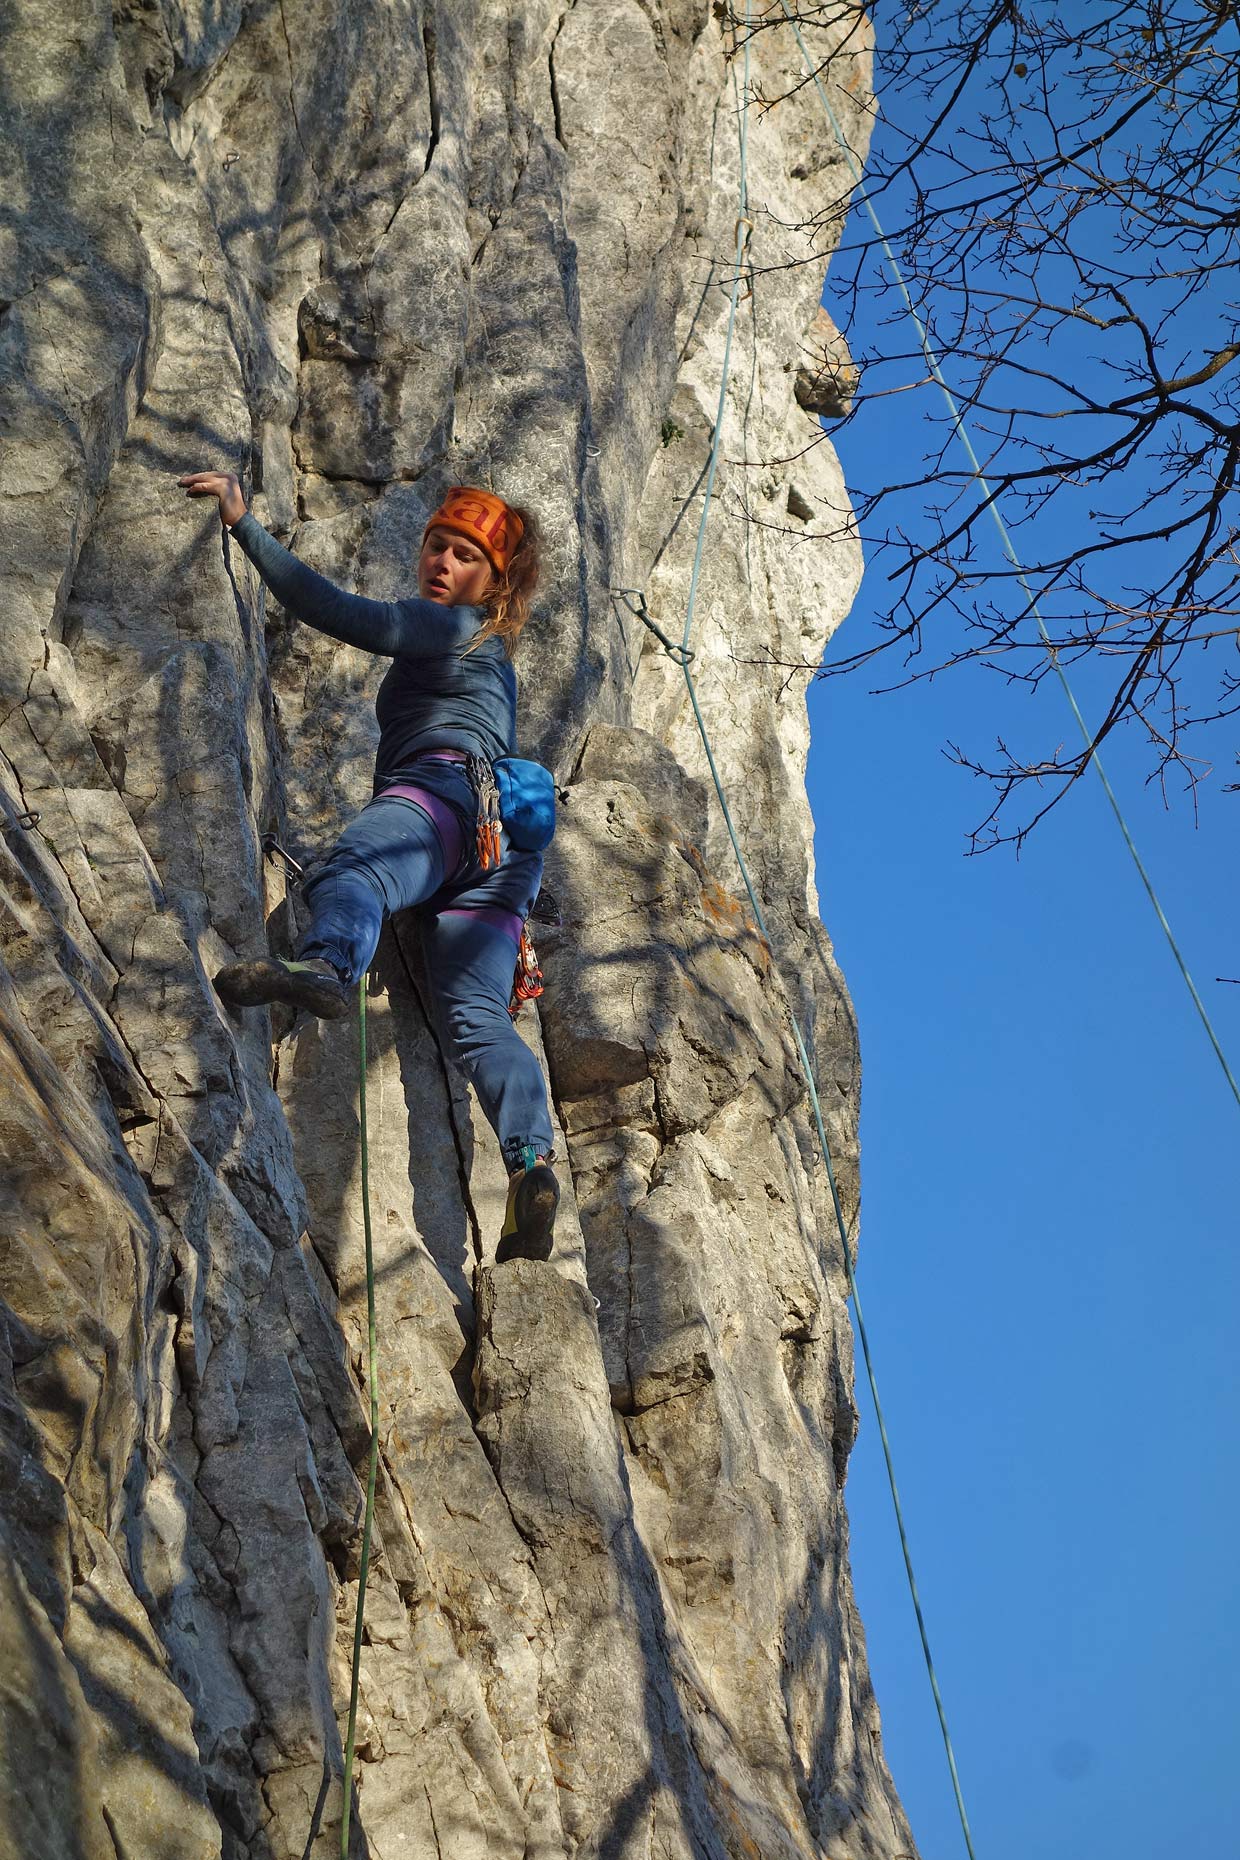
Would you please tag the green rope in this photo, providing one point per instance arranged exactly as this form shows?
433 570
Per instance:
372 1473
854 1294
683 655
1006 544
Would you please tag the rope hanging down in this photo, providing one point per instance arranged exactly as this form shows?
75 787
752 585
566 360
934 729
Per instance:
1005 542
682 656
854 1294
373 1376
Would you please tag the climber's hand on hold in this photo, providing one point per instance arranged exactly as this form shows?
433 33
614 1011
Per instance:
221 484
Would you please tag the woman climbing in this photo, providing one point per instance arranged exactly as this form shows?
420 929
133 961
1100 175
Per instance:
431 835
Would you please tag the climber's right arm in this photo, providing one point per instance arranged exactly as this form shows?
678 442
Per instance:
415 628
375 626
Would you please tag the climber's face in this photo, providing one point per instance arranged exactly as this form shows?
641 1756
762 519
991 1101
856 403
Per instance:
452 569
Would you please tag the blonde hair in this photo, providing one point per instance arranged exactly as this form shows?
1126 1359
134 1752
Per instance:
507 604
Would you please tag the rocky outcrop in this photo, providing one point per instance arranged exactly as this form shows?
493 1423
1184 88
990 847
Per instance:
827 377
358 253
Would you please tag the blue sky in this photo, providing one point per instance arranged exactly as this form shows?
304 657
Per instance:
1050 1281
1048 1267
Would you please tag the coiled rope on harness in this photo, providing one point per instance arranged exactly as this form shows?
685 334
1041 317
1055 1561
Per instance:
682 655
373 1469
957 421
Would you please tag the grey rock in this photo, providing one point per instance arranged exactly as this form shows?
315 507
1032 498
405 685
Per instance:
50 1783
357 255
826 378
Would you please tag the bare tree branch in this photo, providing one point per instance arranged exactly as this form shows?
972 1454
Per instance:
1063 189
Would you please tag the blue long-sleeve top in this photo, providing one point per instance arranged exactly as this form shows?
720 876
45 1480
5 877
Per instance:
435 694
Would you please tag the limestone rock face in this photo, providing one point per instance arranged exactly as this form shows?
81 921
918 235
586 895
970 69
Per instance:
358 253
827 377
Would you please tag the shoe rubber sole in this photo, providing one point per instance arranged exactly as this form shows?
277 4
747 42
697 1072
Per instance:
259 980
537 1198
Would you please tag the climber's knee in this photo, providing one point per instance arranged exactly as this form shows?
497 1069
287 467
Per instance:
477 1028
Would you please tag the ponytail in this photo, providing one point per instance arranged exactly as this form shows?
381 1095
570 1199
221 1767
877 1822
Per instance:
507 605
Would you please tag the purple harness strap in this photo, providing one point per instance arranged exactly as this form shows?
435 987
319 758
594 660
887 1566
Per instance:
448 827
443 818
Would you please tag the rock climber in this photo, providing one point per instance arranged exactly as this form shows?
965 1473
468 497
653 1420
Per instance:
430 836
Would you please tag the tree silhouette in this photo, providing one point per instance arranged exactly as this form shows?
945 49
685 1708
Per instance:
1060 187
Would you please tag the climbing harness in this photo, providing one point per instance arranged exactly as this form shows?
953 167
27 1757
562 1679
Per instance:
957 421
527 981
527 978
372 1471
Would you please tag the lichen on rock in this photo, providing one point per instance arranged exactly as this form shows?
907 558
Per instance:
358 254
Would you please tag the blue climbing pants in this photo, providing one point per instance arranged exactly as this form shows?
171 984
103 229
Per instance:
396 855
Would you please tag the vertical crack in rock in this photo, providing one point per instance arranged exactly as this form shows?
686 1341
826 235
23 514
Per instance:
292 84
556 115
365 253
432 1033
428 46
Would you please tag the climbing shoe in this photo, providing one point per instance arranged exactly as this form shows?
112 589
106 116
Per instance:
530 1215
313 985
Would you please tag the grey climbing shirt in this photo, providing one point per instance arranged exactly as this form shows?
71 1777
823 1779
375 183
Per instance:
435 695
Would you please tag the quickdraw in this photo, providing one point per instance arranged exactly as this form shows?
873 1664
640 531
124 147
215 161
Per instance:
486 793
273 850
527 982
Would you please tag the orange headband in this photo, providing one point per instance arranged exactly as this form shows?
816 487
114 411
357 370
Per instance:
485 519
